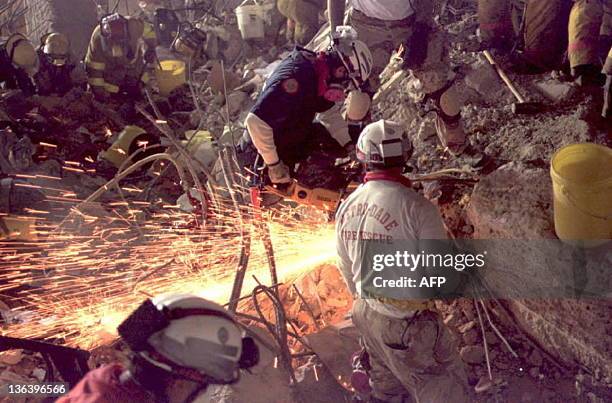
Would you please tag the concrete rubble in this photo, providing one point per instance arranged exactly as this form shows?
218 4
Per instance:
500 188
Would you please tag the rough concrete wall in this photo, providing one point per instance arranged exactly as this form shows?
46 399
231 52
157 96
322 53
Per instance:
74 18
12 18
515 202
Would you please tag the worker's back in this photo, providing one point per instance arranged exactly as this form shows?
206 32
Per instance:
381 212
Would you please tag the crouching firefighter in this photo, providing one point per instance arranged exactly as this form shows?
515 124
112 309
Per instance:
58 73
179 345
282 126
18 63
411 354
116 59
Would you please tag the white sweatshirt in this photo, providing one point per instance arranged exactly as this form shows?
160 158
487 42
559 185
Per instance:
388 10
381 210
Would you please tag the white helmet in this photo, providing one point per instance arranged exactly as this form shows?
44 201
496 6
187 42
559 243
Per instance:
383 144
181 332
355 54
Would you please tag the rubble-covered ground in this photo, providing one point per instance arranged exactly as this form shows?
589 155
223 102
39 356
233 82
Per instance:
62 138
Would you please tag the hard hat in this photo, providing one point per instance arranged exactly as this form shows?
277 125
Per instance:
383 144
22 53
355 54
120 149
183 332
357 105
130 140
57 47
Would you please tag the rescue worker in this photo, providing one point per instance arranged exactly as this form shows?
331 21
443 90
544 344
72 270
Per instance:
179 345
302 18
411 353
119 51
384 26
281 124
163 22
590 36
544 37
537 28
18 63
57 74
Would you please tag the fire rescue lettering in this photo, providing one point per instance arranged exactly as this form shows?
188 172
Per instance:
349 235
372 211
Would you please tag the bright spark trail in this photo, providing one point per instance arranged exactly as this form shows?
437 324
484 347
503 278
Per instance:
77 285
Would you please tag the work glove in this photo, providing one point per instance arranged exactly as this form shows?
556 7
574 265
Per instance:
416 48
606 112
279 173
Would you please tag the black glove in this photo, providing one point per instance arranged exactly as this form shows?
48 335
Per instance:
416 48
25 83
606 112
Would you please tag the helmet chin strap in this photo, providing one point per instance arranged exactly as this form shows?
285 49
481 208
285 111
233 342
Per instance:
333 92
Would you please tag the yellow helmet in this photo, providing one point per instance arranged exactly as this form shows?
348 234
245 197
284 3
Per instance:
57 48
22 53
17 228
128 142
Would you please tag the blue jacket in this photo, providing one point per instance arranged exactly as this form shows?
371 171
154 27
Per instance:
289 101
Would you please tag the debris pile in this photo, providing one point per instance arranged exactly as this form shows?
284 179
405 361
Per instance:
171 217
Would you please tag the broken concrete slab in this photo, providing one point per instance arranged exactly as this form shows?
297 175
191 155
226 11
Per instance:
335 345
515 203
483 79
555 90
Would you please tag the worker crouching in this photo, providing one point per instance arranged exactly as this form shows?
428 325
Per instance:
117 57
281 125
18 63
179 344
58 73
412 356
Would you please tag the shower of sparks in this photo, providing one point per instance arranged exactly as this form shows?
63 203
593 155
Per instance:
78 283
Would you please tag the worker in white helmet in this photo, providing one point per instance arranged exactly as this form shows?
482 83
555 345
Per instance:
18 63
282 126
179 345
411 352
392 25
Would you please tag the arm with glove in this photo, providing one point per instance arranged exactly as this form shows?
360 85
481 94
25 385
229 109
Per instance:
262 135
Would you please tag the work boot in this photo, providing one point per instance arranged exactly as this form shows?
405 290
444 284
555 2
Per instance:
451 134
588 75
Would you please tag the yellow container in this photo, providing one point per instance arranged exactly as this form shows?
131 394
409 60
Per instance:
170 75
582 186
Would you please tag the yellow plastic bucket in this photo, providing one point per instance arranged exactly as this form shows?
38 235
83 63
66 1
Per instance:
582 187
170 74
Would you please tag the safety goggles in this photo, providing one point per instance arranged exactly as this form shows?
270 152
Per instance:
57 60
